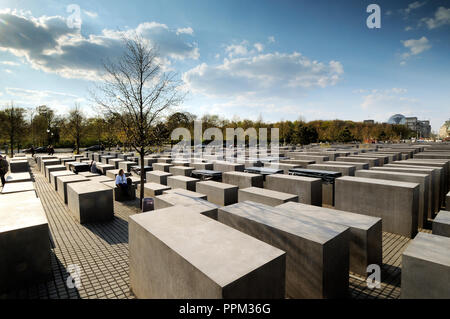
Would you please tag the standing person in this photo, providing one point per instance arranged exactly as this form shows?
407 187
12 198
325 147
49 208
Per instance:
123 182
3 169
32 150
52 150
93 167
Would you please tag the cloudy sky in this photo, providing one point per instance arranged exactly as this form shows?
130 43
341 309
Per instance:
275 59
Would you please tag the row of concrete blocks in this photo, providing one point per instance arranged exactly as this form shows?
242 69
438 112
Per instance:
256 251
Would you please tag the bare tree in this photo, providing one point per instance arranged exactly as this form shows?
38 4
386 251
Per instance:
138 91
75 125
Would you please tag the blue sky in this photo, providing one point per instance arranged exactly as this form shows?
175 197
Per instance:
275 59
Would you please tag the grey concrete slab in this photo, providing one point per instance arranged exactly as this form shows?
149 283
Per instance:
301 163
55 175
126 165
164 167
20 166
345 170
265 196
115 162
18 177
185 192
89 174
90 202
422 179
317 263
62 182
371 161
308 190
118 194
441 224
316 158
397 203
218 193
154 189
103 168
46 162
53 168
209 260
112 173
358 165
17 187
101 179
183 182
426 268
223 166
243 180
24 241
382 159
181 170
365 232
283 166
202 166
158 177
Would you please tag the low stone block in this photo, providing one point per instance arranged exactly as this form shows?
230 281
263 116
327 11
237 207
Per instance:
397 203
158 177
115 162
24 241
184 192
209 260
202 166
112 173
164 160
153 189
103 168
164 167
10 188
284 167
218 193
317 262
357 165
345 170
371 161
426 268
265 196
228 167
365 232
18 166
101 179
89 174
120 195
183 182
308 190
18 177
243 180
55 175
180 170
62 182
126 166
44 163
441 224
53 168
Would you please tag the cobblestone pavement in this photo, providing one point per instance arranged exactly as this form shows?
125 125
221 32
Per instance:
100 250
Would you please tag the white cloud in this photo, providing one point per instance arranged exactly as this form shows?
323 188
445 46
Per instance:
48 44
412 6
272 74
415 46
259 47
9 63
441 17
188 30
91 14
271 39
408 28
237 49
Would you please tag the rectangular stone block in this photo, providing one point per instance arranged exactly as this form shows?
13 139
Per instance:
365 232
397 203
183 182
119 195
164 160
218 193
44 163
180 170
103 168
209 260
62 182
202 166
284 167
426 268
18 177
18 166
79 167
112 173
24 242
90 202
55 175
101 179
153 189
358 165
308 189
184 192
163 167
265 196
158 177
126 166
10 188
177 198
345 170
228 166
53 168
317 262
243 180
371 161
441 224
89 174
421 179
105 158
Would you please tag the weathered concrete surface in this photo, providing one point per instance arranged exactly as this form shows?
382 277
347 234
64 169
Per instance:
164 167
158 177
55 175
441 224
265 196
228 167
185 192
382 159
208 259
115 162
301 163
397 203
118 194
345 170
24 241
100 179
317 158
202 166
62 182
357 165
183 182
243 180
317 262
181 170
422 179
308 190
10 188
154 189
53 168
112 173
20 166
218 193
126 165
426 268
103 168
167 160
54 161
368 160
18 177
90 202
282 166
365 232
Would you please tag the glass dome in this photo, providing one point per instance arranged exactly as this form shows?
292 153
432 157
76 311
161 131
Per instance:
397 119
